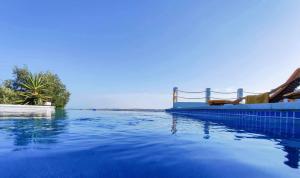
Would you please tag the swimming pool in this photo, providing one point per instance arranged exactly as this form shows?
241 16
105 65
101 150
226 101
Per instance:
148 144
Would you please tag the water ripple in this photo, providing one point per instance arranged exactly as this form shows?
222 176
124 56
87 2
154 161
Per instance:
146 144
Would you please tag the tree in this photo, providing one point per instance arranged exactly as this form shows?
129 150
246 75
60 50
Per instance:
20 76
36 88
33 90
56 90
8 96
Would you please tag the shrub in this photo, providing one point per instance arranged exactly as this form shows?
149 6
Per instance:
34 88
8 96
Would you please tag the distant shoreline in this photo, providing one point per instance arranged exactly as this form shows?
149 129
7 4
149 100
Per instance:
138 110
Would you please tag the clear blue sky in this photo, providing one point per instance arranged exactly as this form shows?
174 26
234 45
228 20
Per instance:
130 53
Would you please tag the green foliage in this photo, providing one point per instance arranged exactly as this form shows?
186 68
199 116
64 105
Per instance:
56 90
20 76
34 89
8 96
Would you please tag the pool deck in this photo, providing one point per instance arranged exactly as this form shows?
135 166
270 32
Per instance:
7 110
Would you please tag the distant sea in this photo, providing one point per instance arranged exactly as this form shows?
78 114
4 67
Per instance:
103 109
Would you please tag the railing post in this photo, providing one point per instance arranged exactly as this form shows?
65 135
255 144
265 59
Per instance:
240 93
207 94
175 95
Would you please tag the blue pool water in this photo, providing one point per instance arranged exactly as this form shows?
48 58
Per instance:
115 144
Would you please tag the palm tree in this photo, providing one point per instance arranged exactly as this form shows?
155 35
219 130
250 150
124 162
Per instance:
33 89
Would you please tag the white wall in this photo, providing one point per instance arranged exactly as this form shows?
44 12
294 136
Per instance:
26 110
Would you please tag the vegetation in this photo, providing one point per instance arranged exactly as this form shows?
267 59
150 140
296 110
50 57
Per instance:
34 89
8 96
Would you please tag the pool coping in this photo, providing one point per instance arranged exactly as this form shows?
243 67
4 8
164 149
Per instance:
11 110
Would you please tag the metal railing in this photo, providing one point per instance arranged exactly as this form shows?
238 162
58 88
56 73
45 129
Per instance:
209 94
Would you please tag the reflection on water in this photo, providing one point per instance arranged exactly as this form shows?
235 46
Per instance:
292 156
285 130
206 130
149 144
33 130
174 123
